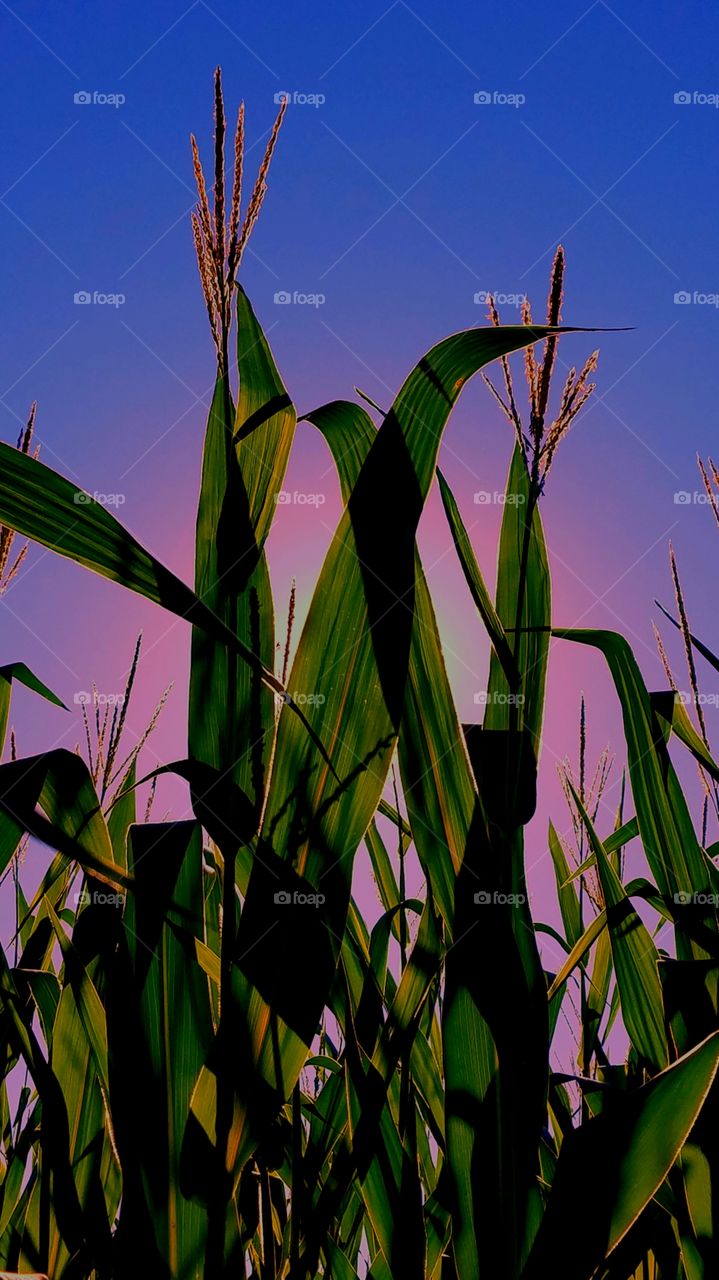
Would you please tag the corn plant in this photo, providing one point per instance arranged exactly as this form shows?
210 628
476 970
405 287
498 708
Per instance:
225 1070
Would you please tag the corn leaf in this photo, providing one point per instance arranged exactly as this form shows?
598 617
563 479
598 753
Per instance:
352 658
635 959
23 675
626 1152
678 862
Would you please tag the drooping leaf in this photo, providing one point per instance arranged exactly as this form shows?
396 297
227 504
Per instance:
20 672
678 863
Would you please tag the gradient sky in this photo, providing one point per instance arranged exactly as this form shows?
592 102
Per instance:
397 199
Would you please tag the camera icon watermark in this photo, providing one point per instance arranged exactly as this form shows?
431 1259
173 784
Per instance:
283 298
102 499
500 299
695 498
285 898
83 298
302 699
298 98
98 699
95 98
298 498
487 898
686 899
86 898
483 699
484 498
496 98
699 699
695 98
697 298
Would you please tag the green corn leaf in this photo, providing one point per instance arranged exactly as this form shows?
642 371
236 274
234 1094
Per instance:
635 959
668 705
89 1005
626 1152
57 783
705 652
477 586
121 817
522 567
232 711
496 1042
78 1043
23 675
568 900
678 862
617 840
160 1031
44 506
264 420
438 786
354 655
58 1151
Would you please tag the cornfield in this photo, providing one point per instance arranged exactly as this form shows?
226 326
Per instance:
214 1065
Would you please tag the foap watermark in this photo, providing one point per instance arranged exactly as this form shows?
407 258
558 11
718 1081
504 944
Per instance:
500 299
483 699
296 898
299 98
695 98
498 98
495 898
685 899
84 298
485 498
698 700
97 98
97 897
102 499
302 699
283 298
98 699
695 297
685 498
299 498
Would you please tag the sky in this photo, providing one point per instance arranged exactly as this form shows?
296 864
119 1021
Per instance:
430 153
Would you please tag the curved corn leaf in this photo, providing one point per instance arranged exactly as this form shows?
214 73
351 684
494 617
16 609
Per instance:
669 706
44 506
438 786
20 672
58 783
679 864
626 1153
264 420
